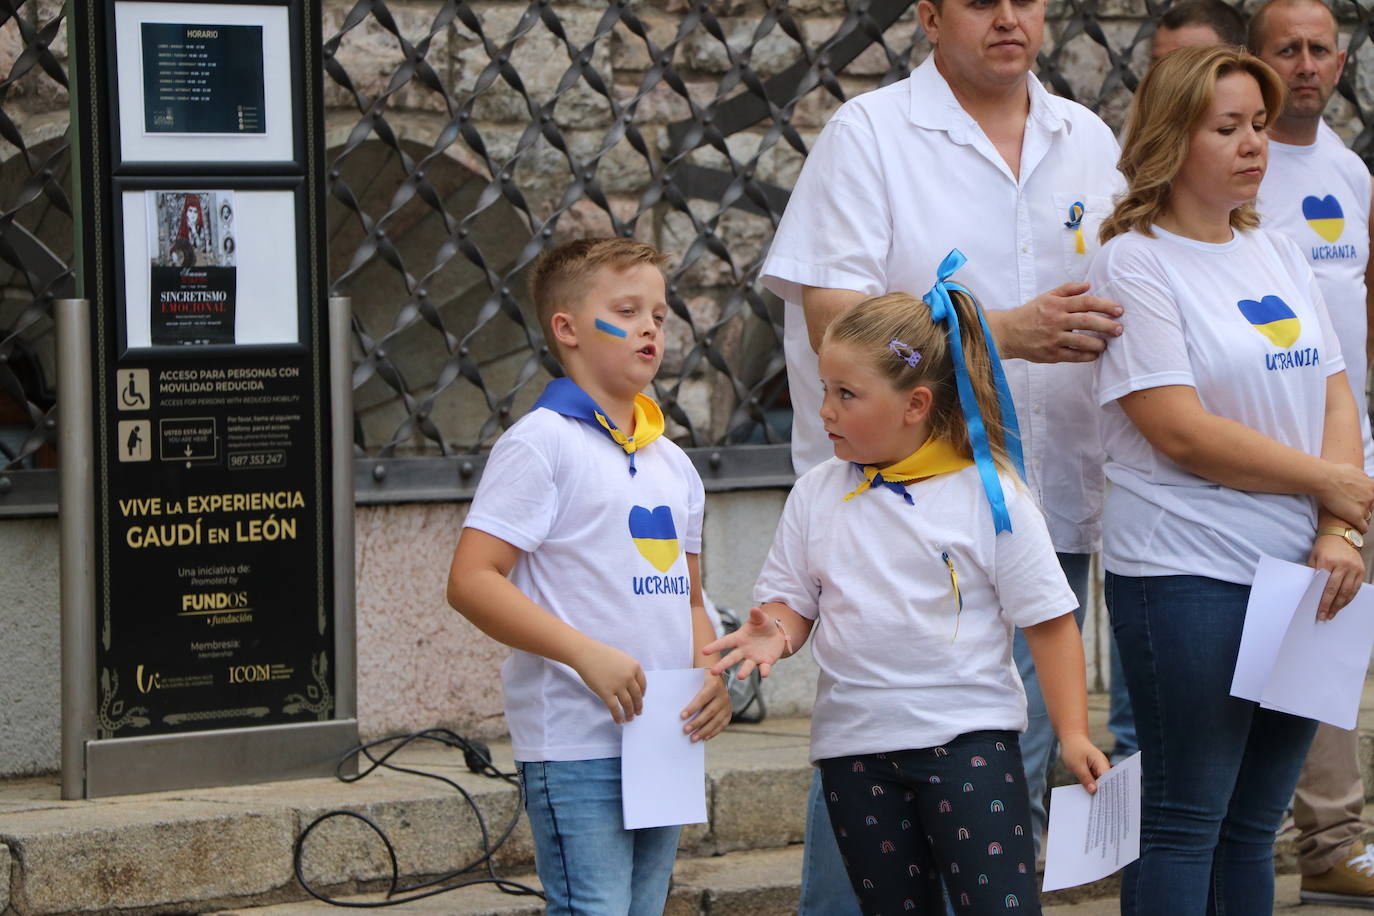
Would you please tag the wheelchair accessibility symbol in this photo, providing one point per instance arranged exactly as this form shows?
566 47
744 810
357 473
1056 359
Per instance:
133 391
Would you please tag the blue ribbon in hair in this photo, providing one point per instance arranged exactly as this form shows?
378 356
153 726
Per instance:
942 310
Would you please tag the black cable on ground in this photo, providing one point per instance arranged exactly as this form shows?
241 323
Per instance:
478 760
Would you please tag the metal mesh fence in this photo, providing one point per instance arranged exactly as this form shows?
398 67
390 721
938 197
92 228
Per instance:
466 137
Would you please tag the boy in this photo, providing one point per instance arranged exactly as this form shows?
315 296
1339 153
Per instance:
593 601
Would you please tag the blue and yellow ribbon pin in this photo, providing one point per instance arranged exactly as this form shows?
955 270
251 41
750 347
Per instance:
1075 222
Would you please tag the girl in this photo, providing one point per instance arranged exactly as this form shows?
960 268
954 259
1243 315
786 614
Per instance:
1230 432
917 553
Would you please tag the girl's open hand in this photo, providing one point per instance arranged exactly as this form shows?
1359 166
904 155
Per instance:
759 642
709 711
1084 760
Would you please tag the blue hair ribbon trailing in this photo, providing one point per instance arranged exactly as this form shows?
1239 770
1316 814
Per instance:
942 310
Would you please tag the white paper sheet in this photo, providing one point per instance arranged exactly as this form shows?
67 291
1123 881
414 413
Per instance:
1091 836
1278 589
1292 662
1320 669
662 772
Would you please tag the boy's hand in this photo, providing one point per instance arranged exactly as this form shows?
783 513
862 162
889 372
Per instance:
1084 760
760 641
614 677
709 712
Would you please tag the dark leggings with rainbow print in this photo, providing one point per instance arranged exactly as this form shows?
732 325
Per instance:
906 820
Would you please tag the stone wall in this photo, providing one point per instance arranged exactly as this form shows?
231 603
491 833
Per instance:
395 118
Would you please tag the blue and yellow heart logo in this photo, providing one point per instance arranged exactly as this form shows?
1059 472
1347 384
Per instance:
1272 317
655 536
1325 216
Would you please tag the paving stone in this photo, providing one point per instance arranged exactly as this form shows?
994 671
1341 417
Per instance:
156 854
762 883
759 807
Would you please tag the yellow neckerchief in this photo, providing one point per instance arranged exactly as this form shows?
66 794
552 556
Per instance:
648 425
564 396
936 456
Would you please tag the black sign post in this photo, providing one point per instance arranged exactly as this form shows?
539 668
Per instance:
219 632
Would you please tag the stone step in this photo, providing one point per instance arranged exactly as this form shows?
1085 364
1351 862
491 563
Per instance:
743 883
195 851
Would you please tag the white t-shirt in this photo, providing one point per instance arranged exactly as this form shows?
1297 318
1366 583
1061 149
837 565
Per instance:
1243 323
901 175
1318 196
870 571
603 552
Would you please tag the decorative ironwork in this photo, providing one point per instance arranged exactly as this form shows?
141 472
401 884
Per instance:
467 138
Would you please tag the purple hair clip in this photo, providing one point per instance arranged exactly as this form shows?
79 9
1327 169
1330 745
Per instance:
910 357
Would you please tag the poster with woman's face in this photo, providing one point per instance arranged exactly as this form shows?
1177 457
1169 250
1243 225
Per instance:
193 229
192 266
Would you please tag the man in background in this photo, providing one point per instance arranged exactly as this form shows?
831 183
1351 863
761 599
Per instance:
1197 22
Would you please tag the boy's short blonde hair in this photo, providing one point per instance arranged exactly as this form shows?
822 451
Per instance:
560 272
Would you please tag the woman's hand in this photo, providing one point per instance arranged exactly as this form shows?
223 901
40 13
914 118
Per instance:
760 641
1348 493
1083 759
1333 552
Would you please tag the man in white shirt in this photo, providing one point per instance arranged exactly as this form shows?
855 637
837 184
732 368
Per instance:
1318 193
969 152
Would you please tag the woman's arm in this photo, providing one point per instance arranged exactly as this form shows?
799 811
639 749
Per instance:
1173 420
1341 443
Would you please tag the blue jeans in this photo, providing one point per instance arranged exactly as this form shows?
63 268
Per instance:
1120 719
589 864
825 887
1218 771
1039 744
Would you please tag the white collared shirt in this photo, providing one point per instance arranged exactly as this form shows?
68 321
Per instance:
1318 196
903 174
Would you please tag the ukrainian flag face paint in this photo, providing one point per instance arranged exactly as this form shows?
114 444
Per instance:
655 536
1272 317
605 327
1325 216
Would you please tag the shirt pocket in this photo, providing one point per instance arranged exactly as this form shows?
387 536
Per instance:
1079 217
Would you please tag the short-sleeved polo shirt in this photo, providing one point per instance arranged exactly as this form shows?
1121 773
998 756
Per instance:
901 175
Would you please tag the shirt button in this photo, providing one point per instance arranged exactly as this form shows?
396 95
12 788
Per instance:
1035 409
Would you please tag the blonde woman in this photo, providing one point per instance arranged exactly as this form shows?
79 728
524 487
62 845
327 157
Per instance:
1230 433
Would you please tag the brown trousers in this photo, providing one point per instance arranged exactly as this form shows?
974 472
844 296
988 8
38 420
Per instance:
1329 800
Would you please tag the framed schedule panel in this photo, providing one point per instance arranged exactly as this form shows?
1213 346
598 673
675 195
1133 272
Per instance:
204 82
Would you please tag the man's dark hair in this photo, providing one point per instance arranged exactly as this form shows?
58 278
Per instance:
1220 17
